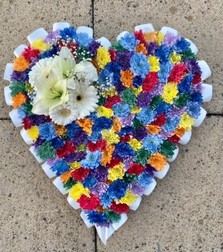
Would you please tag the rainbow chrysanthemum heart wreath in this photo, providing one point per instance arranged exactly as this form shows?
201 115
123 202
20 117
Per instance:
105 119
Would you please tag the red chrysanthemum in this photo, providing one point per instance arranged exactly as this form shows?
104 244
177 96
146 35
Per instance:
177 73
150 81
99 145
119 208
160 120
114 162
140 36
111 100
136 169
197 79
30 53
80 174
89 203
66 150
26 123
174 139
112 54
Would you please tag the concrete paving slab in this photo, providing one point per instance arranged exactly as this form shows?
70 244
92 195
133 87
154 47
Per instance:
19 18
34 216
201 21
185 211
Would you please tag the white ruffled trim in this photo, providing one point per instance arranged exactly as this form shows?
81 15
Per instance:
60 26
39 33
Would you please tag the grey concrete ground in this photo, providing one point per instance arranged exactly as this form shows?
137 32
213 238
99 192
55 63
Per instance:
185 212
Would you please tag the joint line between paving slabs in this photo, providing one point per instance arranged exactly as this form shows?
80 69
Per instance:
95 240
214 114
4 119
92 14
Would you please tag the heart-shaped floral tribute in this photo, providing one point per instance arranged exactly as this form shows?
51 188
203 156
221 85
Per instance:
105 118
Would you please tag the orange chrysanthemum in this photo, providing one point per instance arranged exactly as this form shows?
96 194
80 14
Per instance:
65 177
127 78
157 161
107 155
151 37
86 124
18 100
116 124
140 48
20 64
179 132
60 130
153 129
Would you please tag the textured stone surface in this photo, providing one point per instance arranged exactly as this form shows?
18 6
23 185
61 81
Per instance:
200 21
34 216
19 18
185 212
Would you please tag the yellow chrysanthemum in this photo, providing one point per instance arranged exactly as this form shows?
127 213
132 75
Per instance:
128 199
77 191
186 121
103 111
160 38
103 57
135 144
33 132
40 45
110 136
137 90
135 110
154 64
175 58
109 92
75 165
170 92
117 172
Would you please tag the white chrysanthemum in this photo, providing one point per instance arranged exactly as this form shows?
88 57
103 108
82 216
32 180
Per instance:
83 99
63 114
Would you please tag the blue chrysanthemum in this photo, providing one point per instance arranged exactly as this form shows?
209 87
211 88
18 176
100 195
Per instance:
106 200
124 150
152 143
117 189
83 39
121 109
193 109
139 64
97 217
146 115
90 181
57 142
145 179
92 160
137 81
69 32
129 42
185 84
165 68
60 167
47 131
163 53
171 123
181 45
